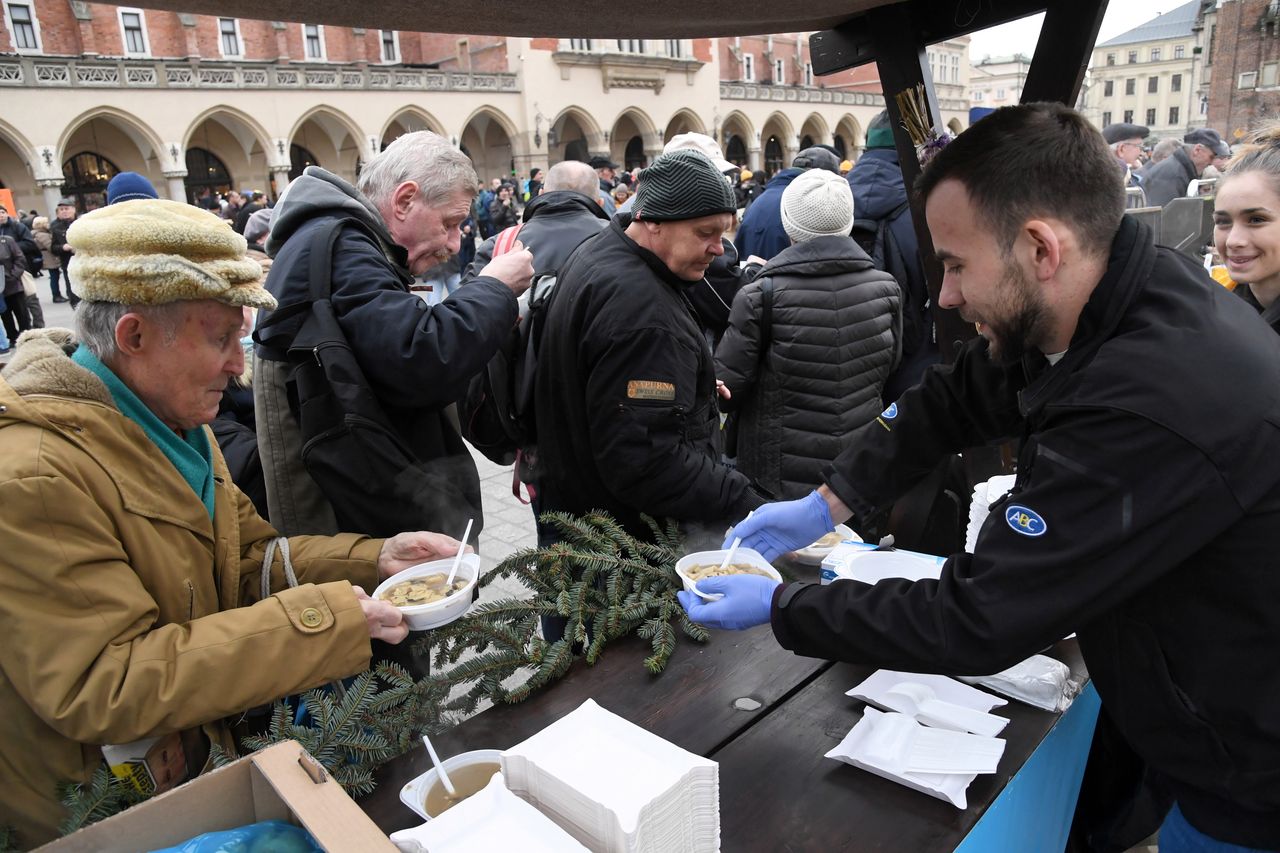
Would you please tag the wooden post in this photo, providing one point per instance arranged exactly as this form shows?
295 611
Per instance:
1066 41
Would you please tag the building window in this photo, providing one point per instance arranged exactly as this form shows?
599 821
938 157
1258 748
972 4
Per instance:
1175 83
1106 119
390 46
808 73
85 178
1130 86
1108 88
1153 85
748 67
933 65
1151 117
23 26
780 72
674 48
1247 80
1173 115
229 30
772 156
313 36
1179 51
999 97
205 171
1155 54
1133 57
1268 74
134 35
580 44
955 68
1128 116
977 96
1111 59
630 45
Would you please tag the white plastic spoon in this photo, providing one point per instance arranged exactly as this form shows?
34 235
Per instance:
919 701
444 777
457 561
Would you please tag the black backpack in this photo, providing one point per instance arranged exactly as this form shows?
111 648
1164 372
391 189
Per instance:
497 412
875 236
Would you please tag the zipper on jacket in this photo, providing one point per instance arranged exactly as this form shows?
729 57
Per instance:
191 599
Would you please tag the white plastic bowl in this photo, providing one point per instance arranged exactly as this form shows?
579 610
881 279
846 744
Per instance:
414 792
421 617
814 554
742 555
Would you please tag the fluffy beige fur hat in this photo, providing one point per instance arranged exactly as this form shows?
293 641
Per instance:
155 251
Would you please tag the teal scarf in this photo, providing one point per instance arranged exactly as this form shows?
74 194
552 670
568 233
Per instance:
188 452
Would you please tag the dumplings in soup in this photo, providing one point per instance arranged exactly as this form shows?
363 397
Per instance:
422 590
712 570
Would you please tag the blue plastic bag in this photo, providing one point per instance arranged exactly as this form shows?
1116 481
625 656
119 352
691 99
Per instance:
269 836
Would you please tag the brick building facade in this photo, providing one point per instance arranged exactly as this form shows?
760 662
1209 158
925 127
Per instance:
1243 67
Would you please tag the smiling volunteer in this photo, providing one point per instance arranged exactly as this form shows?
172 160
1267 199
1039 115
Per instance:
1146 512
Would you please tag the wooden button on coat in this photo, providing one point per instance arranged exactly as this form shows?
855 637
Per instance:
311 617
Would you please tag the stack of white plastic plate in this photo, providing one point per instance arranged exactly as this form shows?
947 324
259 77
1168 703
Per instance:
616 787
984 495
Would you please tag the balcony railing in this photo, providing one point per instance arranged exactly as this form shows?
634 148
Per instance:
815 95
179 74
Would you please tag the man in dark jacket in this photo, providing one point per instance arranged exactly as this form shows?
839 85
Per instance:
879 194
761 232
804 387
1169 178
65 214
416 358
555 222
253 203
11 226
1147 525
625 393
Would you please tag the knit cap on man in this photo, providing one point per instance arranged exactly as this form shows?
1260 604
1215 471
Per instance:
817 203
156 251
682 184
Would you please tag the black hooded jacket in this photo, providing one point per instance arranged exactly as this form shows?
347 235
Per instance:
554 224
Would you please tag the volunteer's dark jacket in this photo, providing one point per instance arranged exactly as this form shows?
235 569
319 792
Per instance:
832 343
1168 179
554 224
1145 517
761 232
417 358
625 394
1270 315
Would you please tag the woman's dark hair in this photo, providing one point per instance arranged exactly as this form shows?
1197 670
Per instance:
1035 160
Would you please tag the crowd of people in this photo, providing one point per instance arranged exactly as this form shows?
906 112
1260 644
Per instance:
163 578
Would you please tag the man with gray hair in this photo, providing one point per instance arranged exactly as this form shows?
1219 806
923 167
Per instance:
416 359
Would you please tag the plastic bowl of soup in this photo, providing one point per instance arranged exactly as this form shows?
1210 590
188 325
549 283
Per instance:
418 592
701 565
468 771
814 554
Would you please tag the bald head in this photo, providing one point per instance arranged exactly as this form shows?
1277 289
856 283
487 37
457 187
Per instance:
572 175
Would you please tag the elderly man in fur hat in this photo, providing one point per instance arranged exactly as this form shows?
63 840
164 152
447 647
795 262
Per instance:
142 603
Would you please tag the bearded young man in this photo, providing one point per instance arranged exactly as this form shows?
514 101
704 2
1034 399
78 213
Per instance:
1146 512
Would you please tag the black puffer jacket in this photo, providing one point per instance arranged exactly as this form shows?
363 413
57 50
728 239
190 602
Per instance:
554 224
835 338
625 394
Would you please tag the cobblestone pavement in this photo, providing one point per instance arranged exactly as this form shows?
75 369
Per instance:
508 526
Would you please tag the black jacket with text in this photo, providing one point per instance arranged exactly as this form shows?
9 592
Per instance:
1145 517
625 394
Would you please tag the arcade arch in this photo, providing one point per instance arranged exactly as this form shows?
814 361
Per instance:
408 120
332 138
814 132
684 121
777 138
487 140
235 149
573 136
847 138
630 139
114 141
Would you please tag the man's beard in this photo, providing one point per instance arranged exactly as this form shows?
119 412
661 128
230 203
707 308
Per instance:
1013 336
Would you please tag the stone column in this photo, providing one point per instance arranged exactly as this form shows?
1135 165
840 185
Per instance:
755 161
280 175
177 189
52 191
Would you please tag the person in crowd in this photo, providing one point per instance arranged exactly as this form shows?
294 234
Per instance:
11 226
880 195
13 263
256 230
128 186
1126 142
403 219
466 243
1160 152
534 187
480 210
563 215
137 603
253 202
1168 180
44 242
806 384
65 214
28 217
502 212
606 169
621 194
1135 516
761 232
232 202
751 189
625 388
1246 220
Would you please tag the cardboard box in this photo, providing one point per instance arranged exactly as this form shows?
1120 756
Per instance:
281 782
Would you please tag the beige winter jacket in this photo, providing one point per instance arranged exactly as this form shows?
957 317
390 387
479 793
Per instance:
126 612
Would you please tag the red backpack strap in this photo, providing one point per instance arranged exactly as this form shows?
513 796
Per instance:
506 240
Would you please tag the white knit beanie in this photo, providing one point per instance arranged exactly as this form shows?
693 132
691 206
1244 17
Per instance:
817 203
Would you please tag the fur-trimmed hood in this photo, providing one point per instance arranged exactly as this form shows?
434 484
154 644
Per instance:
42 365
319 192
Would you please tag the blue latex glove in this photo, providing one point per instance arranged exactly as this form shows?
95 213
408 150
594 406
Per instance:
747 601
775 529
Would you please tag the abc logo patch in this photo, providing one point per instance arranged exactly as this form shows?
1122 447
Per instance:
891 412
1025 521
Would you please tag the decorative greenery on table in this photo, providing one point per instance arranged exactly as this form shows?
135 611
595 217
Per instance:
603 581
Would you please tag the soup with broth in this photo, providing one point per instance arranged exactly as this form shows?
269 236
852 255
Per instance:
466 780
422 590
